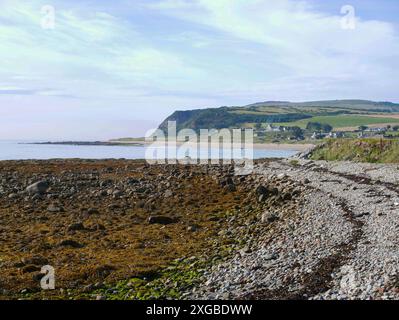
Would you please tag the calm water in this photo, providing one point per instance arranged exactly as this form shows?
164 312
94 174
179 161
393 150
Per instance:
12 150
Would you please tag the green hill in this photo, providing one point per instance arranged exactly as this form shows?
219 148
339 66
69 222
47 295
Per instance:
278 112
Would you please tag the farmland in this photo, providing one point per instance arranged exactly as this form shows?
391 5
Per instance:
344 121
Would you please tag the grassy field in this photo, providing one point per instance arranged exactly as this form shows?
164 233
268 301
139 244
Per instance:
343 121
359 150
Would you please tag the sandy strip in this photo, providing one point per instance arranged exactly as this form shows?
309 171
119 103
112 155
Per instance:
257 146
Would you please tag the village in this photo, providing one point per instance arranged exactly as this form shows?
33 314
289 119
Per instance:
317 131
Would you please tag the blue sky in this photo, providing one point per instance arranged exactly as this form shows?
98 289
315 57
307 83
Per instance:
117 68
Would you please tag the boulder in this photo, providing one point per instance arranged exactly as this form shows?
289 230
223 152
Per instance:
262 190
38 187
54 208
71 243
268 217
168 194
161 220
76 227
35 260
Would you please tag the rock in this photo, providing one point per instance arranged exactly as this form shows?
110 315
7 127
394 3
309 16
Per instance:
193 228
271 256
117 194
262 198
261 190
132 181
268 217
230 187
37 276
113 206
54 208
287 196
71 243
92 211
30 269
38 188
361 214
104 270
245 251
76 227
35 260
161 220
226 181
168 194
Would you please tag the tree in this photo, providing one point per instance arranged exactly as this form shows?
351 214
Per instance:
296 132
327 128
313 126
319 127
363 128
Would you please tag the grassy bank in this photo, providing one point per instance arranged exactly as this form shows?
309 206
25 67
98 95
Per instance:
360 150
343 121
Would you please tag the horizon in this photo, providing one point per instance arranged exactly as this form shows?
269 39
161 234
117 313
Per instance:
96 71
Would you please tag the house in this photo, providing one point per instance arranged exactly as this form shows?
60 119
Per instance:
318 135
271 128
335 135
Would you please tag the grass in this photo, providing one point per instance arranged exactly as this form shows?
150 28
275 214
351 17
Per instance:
359 150
342 121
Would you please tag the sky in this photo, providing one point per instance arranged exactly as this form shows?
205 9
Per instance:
98 69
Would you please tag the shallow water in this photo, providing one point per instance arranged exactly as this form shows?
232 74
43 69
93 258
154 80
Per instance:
19 150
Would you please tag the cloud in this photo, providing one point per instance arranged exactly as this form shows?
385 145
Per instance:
86 46
295 39
143 59
16 91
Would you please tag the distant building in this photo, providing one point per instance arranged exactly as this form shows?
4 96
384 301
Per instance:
335 135
271 128
318 135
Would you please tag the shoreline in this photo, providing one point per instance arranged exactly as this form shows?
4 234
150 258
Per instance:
80 205
256 146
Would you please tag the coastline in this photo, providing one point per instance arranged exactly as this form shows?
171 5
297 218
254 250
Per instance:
138 143
107 216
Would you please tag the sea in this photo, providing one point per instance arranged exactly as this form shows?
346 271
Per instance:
25 150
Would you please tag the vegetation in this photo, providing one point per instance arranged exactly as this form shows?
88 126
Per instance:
359 150
343 121
319 127
337 114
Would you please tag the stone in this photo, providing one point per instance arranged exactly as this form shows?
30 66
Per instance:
193 228
76 227
230 187
30 269
92 211
117 194
161 220
35 260
168 194
71 243
262 190
262 198
38 188
54 208
268 217
271 256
